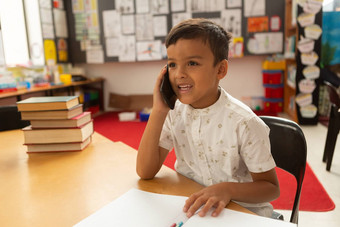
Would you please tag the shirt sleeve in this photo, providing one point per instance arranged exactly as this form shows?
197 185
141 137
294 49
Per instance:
166 138
255 145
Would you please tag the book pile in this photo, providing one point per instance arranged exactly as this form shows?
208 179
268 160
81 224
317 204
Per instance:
58 123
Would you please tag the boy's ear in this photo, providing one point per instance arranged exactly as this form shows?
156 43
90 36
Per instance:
222 69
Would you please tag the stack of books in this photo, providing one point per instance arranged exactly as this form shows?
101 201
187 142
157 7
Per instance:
58 123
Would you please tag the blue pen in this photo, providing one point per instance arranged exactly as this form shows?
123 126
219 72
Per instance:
179 224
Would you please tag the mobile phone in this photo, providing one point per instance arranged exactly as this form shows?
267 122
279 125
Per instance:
167 92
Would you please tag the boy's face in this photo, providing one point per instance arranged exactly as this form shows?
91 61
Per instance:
192 73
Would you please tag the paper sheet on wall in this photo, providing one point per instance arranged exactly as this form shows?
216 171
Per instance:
111 23
95 56
145 209
128 24
112 47
177 5
262 43
60 23
160 26
127 48
253 8
142 6
144 27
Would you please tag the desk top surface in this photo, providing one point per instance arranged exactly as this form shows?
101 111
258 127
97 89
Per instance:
61 189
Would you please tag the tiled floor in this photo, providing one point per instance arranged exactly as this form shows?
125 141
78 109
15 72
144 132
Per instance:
315 137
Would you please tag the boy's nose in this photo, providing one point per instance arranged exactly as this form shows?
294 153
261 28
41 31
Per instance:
180 73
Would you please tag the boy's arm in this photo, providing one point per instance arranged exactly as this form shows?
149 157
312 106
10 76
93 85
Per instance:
150 156
264 188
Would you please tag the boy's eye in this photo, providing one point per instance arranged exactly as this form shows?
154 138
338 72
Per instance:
171 65
192 63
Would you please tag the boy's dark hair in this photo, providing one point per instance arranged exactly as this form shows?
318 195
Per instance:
200 28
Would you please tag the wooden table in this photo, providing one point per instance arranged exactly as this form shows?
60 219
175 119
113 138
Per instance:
61 189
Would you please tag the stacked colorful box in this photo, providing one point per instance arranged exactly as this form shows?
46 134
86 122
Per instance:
273 90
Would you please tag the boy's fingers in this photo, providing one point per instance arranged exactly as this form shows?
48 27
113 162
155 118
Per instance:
195 206
209 204
219 208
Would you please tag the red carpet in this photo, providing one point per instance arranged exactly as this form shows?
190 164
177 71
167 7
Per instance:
313 196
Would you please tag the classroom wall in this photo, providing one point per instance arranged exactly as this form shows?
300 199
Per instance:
244 77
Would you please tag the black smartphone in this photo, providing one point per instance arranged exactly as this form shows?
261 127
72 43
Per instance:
167 92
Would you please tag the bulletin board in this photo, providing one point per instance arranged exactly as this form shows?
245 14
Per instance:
134 30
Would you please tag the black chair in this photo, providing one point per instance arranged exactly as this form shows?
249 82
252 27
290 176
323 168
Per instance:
289 150
333 125
10 118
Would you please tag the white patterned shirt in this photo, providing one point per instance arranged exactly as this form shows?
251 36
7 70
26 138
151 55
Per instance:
220 143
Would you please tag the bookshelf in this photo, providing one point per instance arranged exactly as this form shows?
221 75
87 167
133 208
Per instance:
291 34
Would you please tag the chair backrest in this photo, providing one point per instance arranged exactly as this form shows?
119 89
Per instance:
334 97
289 150
10 118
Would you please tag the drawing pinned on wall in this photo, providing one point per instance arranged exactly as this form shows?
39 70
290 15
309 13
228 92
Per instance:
144 27
214 5
304 99
127 50
160 26
234 3
313 31
309 58
178 5
111 23
142 6
148 51
128 24
125 6
258 24
306 19
178 17
307 86
112 46
95 55
254 8
231 21
197 5
311 72
309 111
265 43
62 50
159 6
312 6
275 23
237 48
305 45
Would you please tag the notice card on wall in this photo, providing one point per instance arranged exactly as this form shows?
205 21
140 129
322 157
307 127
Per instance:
140 208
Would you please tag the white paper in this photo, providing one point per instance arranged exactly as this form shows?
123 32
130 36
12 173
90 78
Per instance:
60 23
160 26
214 5
234 3
254 8
47 31
178 17
198 5
144 27
95 56
232 21
145 209
159 6
111 23
112 47
125 6
177 5
128 24
148 51
262 43
46 16
142 6
127 46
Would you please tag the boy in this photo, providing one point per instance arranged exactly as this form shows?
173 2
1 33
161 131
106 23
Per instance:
219 142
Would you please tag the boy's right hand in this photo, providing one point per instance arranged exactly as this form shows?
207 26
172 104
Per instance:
159 104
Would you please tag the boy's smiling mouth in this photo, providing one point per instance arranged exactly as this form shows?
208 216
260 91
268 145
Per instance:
183 88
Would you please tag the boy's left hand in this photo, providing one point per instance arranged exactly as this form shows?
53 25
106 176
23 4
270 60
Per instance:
213 196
